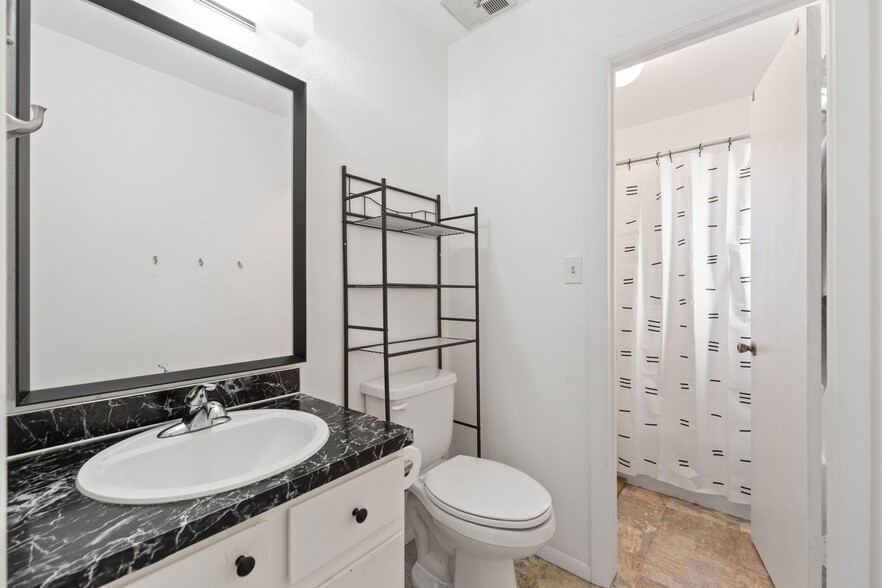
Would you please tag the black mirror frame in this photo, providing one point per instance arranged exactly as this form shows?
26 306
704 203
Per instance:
175 30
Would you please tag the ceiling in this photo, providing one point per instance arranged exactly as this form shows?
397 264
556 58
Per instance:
435 19
718 70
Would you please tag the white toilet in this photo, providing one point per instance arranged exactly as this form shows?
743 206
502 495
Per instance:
472 517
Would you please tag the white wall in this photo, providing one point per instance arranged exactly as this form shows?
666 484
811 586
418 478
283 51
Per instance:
519 143
524 124
377 95
876 541
705 125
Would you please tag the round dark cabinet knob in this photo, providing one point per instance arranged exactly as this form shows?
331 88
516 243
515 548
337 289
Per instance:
360 515
244 565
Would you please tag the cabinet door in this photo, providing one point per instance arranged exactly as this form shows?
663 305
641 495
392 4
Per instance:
381 568
215 565
324 533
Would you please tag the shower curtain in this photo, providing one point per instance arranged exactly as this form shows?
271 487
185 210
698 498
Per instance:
682 305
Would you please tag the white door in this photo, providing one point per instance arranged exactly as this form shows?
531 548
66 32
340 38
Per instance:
786 310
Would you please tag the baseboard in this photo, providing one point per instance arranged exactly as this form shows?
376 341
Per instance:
565 562
714 501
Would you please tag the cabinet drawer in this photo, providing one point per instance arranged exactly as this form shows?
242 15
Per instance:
215 565
381 568
325 536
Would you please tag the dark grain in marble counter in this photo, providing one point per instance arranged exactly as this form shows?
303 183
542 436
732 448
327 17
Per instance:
42 428
58 537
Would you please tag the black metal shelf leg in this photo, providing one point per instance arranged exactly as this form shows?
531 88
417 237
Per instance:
477 342
385 277
345 189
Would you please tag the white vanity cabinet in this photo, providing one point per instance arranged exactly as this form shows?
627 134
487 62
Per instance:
384 566
216 565
346 534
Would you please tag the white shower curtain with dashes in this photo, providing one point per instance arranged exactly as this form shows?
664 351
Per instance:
682 306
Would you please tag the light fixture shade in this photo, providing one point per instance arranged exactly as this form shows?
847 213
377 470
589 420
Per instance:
285 18
628 75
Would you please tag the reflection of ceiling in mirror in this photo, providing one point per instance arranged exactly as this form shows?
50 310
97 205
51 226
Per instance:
110 32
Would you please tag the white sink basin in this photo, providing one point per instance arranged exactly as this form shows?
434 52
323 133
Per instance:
254 445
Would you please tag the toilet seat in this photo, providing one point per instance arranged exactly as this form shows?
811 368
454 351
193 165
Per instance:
523 542
487 493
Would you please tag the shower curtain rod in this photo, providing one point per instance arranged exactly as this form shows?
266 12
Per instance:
661 154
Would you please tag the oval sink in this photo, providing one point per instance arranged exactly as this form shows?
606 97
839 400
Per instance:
253 445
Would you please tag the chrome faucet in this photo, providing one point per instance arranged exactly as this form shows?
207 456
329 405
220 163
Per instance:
201 413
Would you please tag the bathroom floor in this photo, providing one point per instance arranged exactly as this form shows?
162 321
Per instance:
664 542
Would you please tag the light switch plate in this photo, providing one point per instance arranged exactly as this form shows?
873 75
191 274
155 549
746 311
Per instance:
573 269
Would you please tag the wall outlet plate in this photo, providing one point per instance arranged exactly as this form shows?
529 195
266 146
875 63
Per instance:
573 269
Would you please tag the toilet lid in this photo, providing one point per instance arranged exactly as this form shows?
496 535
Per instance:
488 493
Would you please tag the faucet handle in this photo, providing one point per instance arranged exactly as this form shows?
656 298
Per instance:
197 396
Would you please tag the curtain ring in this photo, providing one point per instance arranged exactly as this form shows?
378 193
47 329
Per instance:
671 157
656 158
699 149
629 164
730 143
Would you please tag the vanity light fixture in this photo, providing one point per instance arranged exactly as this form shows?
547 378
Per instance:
231 14
285 18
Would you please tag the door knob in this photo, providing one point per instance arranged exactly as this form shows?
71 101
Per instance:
742 348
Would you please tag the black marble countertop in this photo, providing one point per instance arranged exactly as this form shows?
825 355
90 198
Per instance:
58 537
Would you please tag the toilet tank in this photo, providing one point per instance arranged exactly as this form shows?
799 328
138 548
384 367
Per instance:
421 399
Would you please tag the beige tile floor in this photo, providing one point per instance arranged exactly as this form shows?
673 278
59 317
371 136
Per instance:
663 543
666 542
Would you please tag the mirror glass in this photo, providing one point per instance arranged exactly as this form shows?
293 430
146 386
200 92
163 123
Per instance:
159 213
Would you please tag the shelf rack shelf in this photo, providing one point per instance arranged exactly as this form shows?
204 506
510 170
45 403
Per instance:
368 209
397 348
404 224
412 286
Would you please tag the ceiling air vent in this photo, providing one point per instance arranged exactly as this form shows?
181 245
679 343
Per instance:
494 6
471 13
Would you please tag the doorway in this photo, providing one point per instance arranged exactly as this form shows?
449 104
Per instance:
696 423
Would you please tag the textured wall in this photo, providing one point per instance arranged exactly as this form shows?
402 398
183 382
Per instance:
520 141
876 546
713 123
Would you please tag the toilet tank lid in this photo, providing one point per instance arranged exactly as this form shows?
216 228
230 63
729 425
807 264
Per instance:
410 383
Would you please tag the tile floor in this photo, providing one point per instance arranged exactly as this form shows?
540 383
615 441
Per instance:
666 542
663 543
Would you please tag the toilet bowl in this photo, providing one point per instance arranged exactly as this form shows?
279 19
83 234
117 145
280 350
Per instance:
472 517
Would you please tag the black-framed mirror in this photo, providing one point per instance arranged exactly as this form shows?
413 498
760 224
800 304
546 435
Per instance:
160 209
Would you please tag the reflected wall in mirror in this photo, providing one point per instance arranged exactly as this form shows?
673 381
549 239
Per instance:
160 208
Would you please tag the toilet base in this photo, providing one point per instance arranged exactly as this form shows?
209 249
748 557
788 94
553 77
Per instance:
470 572
478 572
423 578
